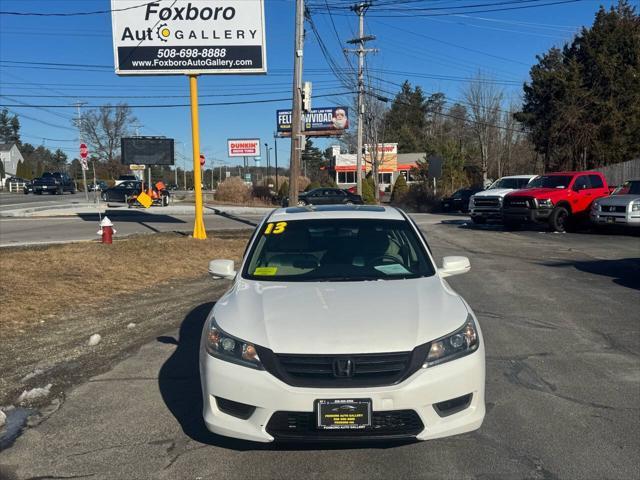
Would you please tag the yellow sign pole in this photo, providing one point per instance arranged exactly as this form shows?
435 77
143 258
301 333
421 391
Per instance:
199 231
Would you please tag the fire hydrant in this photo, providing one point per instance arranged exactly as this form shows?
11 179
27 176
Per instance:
106 230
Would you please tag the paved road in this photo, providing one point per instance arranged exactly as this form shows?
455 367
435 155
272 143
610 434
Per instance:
560 319
30 231
10 201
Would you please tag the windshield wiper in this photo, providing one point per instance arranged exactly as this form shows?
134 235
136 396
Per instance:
349 279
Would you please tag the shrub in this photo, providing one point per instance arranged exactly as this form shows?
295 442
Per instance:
420 198
400 189
233 189
312 186
261 192
368 196
302 183
284 189
328 182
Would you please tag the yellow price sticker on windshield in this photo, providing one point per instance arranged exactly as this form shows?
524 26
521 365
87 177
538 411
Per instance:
265 271
275 228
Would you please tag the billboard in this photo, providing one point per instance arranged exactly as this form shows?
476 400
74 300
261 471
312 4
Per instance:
188 37
243 147
387 157
320 122
147 151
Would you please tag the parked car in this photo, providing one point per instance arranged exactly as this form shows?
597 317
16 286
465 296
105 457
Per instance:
327 196
621 208
28 187
459 201
288 355
100 185
126 178
122 191
354 190
53 182
486 205
557 199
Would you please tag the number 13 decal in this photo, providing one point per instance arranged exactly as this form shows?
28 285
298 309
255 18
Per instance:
275 228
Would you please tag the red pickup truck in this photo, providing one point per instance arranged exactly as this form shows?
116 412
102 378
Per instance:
558 199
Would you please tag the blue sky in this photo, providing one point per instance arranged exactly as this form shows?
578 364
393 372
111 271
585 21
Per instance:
439 53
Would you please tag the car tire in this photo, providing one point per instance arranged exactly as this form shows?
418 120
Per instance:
479 220
349 203
302 203
559 220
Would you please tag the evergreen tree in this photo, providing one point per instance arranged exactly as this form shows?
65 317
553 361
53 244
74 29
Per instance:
314 161
405 121
368 196
582 106
400 189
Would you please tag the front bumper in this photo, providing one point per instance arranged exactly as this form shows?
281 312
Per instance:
526 215
630 219
419 393
494 214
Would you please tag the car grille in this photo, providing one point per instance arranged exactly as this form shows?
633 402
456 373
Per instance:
297 425
366 370
518 202
493 202
614 208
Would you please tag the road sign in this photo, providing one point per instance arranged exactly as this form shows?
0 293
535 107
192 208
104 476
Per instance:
84 163
188 37
202 160
84 151
144 200
133 167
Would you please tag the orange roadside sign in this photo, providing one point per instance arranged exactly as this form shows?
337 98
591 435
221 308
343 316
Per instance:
144 200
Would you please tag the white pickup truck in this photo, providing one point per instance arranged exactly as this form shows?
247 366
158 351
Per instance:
486 205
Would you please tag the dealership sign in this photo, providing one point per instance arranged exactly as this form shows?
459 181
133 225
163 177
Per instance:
320 122
241 147
188 37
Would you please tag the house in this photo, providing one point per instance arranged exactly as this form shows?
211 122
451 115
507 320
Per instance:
10 156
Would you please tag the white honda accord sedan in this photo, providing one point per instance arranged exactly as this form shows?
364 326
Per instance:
339 326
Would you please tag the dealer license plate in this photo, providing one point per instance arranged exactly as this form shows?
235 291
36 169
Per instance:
343 414
611 219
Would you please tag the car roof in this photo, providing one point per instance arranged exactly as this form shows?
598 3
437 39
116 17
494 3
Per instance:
327 212
553 174
519 176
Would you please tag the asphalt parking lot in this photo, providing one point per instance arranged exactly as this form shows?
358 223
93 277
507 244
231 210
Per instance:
559 314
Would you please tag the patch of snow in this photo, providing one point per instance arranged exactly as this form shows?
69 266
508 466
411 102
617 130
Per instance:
94 340
29 376
131 325
34 394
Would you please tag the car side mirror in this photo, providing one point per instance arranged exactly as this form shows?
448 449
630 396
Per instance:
222 269
454 266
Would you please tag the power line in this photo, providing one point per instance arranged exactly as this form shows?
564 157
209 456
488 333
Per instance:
74 14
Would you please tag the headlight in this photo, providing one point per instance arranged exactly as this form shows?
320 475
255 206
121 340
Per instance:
595 206
225 347
545 203
635 206
471 201
458 344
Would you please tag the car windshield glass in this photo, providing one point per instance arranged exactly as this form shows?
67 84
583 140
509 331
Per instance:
337 250
551 181
629 188
513 183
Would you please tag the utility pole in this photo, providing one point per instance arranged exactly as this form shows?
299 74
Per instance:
82 164
296 111
275 140
360 10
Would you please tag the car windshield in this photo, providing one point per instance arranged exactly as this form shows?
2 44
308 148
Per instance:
337 250
551 181
629 188
512 183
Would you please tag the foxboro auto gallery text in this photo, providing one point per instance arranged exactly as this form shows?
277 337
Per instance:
189 12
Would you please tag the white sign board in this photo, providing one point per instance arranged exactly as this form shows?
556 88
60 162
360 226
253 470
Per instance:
178 37
243 147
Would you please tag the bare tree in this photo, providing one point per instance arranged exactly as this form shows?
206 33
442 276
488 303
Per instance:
374 129
102 129
484 100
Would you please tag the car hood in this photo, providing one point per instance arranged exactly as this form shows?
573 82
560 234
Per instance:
619 200
495 192
540 192
340 317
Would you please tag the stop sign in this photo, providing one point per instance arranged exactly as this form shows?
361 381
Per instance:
202 160
84 151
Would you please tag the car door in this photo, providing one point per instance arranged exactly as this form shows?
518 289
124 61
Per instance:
331 196
582 194
597 187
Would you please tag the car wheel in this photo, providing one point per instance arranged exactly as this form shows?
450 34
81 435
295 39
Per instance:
302 203
349 203
559 219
